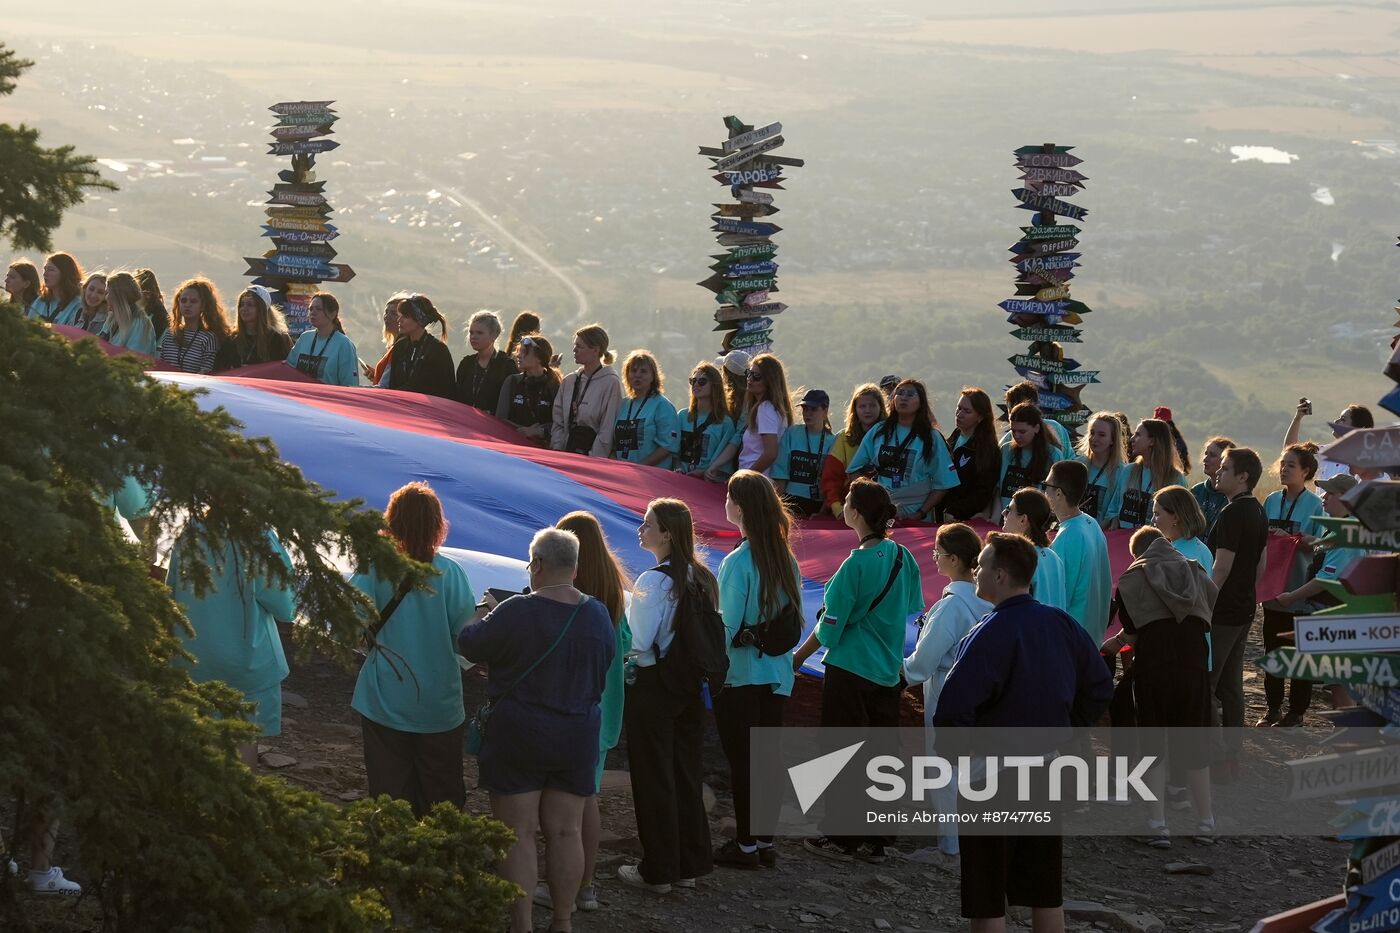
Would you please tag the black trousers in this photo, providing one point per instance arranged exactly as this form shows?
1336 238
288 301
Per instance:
1299 691
420 767
665 734
850 700
737 710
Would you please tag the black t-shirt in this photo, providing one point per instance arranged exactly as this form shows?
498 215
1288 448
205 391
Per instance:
977 483
528 400
1242 528
481 388
425 366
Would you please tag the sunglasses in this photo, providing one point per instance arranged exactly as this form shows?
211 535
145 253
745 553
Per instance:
699 380
754 375
906 393
1046 487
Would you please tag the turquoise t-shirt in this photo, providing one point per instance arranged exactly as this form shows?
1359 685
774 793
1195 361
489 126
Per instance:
1210 501
47 309
421 638
1338 560
139 337
1104 495
902 467
1296 515
1088 577
1195 549
235 623
870 644
644 425
1058 432
1015 470
1048 584
1136 487
739 595
801 454
333 360
701 439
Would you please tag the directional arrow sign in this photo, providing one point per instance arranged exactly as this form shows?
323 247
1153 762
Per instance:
753 197
1338 774
754 298
300 132
299 212
1043 247
739 239
1378 699
1045 276
1054 189
1049 401
1314 635
302 147
1035 202
1373 575
1042 364
299 235
1374 448
1381 670
753 175
1070 419
310 118
300 106
324 250
1022 306
741 269
1047 263
1348 532
743 210
1067 175
754 251
1391 400
1380 862
735 143
298 224
752 228
1050 231
1376 503
751 340
736 159
1062 334
1042 148
1052 293
279 259
296 198
747 325
333 273
1351 604
739 313
1038 159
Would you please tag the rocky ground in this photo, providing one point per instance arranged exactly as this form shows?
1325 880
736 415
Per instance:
1110 883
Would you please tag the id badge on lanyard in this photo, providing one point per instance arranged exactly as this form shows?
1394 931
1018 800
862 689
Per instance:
1135 507
892 462
627 435
803 467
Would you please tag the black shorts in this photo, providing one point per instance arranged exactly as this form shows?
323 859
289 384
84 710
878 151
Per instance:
1021 870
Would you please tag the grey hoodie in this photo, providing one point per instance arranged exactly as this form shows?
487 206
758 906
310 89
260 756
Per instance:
1163 584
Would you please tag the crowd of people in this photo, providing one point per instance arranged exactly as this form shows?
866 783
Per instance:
1018 636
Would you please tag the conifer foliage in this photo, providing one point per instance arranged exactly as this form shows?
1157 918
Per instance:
36 184
99 729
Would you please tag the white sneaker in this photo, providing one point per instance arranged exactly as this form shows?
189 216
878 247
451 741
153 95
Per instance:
631 876
53 882
14 868
686 883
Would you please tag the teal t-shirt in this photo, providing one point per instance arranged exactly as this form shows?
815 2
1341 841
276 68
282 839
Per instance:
643 426
1195 549
701 439
1088 577
1058 433
421 637
614 689
870 644
1048 584
739 604
1338 560
1015 470
1295 515
1210 501
903 466
139 337
333 360
235 623
1136 486
47 309
1103 497
801 454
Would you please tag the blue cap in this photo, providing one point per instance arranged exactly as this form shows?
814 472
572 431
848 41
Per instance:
816 398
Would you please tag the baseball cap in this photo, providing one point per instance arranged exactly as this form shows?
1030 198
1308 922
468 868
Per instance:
889 382
1338 485
736 361
815 398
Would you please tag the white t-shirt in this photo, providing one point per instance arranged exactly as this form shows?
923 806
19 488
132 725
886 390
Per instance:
769 422
1326 469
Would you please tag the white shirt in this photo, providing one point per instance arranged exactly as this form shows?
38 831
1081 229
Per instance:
769 422
651 616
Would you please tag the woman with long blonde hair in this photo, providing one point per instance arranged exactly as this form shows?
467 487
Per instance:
1154 467
1103 452
260 332
127 325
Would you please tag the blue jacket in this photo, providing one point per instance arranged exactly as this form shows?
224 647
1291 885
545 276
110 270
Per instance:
1025 664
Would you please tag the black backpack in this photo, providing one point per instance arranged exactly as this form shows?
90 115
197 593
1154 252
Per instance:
698 647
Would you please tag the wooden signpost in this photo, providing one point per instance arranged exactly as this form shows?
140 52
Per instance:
1045 259
298 214
746 274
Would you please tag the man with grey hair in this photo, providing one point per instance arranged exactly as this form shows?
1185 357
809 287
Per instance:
481 374
548 653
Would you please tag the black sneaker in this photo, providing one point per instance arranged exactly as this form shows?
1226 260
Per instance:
870 852
730 854
1291 721
1270 717
828 848
768 856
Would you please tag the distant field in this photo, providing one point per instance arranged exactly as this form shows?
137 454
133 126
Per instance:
1304 121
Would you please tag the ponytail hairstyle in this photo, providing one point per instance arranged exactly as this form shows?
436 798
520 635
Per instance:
540 348
1162 459
421 309
70 280
594 336
767 526
599 571
1183 452
873 504
416 521
959 541
673 518
855 431
1307 458
1029 414
331 307
924 424
1035 506
33 285
212 316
